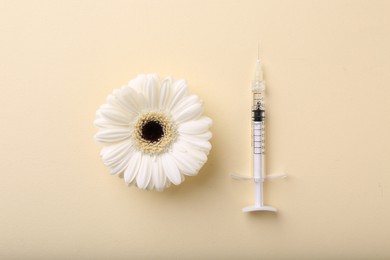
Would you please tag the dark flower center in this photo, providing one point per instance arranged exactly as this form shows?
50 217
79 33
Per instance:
152 131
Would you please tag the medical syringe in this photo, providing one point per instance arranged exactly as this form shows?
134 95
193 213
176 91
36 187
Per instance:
258 143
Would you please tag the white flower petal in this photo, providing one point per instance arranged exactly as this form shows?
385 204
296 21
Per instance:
131 99
138 83
144 172
199 156
185 102
111 155
186 165
116 116
158 176
195 127
133 167
201 145
116 157
180 90
165 93
180 83
121 167
170 169
103 123
188 113
199 137
112 135
150 186
114 102
151 91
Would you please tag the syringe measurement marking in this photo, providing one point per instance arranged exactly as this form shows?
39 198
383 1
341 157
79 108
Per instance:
258 138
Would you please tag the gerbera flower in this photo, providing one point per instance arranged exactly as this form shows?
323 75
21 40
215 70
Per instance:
153 132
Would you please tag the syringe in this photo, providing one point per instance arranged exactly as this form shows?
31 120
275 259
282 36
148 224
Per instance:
258 128
258 145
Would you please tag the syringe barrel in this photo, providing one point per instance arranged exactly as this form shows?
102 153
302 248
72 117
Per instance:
258 121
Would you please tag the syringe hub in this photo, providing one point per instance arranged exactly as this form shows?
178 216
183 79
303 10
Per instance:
258 83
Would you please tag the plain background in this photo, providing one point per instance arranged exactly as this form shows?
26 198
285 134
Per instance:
326 65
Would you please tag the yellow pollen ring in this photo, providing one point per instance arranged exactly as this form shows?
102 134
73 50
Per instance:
169 133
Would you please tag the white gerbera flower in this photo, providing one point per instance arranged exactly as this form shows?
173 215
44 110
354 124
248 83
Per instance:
154 133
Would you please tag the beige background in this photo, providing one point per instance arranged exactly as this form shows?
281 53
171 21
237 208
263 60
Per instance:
327 68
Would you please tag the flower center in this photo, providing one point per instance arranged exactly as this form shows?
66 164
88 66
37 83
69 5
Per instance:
153 132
